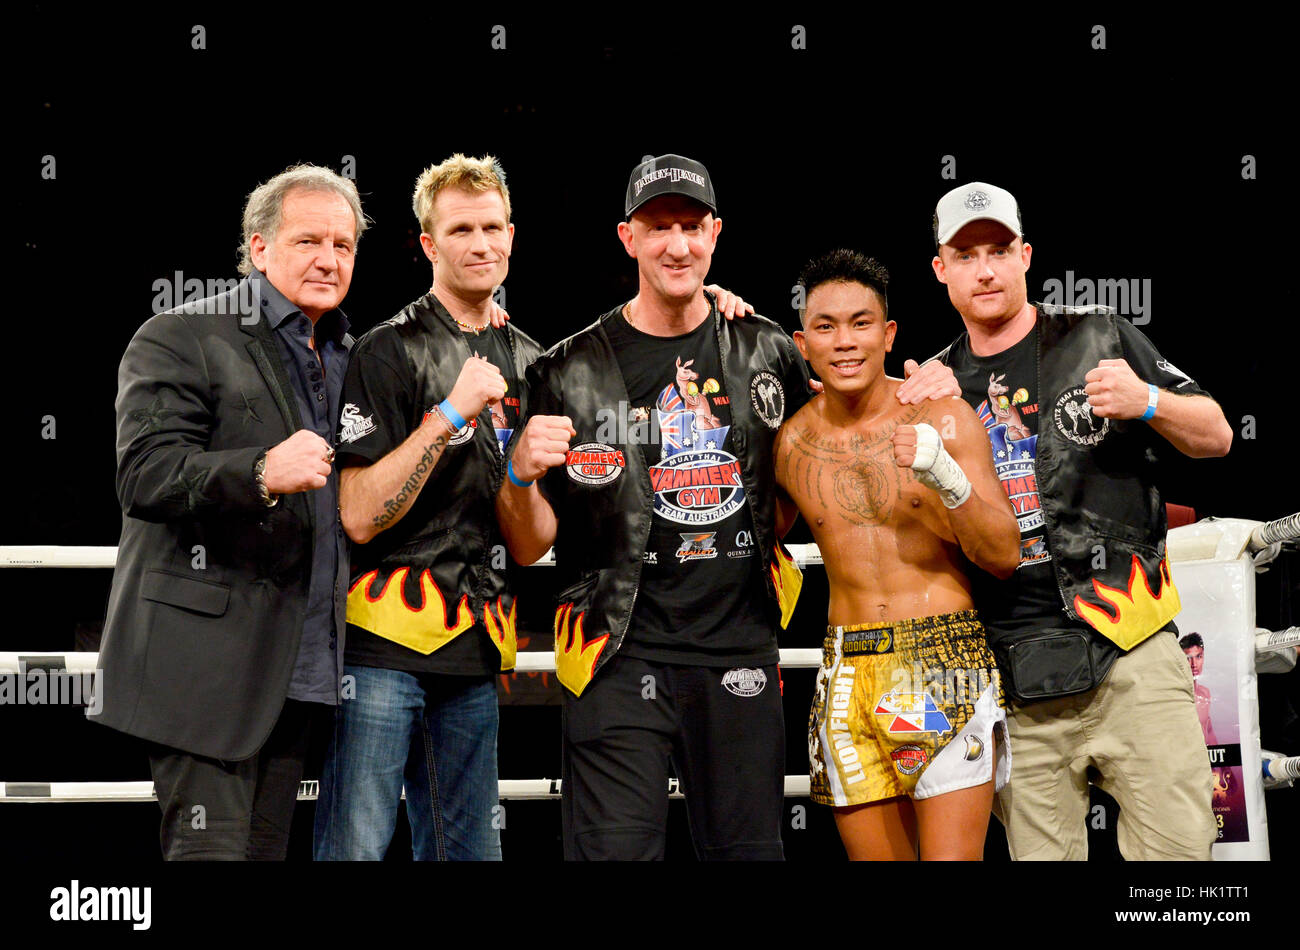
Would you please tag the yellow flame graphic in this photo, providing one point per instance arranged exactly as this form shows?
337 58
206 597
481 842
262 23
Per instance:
388 615
1138 612
502 630
788 580
575 659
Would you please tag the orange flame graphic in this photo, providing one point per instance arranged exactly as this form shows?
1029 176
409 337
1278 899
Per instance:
503 633
1139 611
389 615
575 658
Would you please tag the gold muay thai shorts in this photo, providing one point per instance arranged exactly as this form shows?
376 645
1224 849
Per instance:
909 707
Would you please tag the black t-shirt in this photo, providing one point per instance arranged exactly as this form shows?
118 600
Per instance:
1003 389
379 396
491 345
701 599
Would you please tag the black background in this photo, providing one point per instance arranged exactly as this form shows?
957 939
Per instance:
1127 163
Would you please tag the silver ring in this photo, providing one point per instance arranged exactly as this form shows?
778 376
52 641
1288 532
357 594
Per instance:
329 456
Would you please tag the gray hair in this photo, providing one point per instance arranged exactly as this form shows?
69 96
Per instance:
265 205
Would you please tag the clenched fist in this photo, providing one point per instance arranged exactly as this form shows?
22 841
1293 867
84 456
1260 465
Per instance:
904 440
478 384
542 446
920 448
1115 391
299 463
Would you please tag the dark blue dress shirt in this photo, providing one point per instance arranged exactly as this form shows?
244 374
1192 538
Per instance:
317 386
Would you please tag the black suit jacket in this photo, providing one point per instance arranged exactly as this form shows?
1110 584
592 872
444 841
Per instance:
210 590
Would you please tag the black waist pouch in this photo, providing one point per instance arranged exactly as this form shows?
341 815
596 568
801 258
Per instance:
1048 665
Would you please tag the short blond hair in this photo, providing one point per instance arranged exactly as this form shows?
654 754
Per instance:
459 171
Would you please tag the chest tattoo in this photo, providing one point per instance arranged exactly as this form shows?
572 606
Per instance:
849 474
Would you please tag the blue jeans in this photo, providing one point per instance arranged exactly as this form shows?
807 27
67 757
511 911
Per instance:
437 732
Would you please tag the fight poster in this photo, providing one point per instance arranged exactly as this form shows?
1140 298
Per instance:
1217 635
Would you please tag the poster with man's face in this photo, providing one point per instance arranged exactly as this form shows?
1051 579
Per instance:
1210 627
1214 675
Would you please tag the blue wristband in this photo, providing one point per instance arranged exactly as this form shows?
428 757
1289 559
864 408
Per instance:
452 415
1153 395
510 474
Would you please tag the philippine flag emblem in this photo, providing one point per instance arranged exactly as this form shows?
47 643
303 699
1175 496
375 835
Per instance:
911 713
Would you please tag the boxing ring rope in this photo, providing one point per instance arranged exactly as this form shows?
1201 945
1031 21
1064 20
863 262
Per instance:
796 786
49 555
533 661
1278 770
535 789
1275 532
57 555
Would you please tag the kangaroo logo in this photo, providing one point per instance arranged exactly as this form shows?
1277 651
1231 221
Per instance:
686 419
1004 409
696 397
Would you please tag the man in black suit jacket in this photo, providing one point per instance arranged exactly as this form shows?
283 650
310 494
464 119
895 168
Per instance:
222 643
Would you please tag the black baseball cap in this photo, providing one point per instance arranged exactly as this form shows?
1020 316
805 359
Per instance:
669 175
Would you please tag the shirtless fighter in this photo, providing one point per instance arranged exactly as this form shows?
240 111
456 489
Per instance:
899 498
1194 646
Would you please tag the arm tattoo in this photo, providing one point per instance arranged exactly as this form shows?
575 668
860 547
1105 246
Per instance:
397 504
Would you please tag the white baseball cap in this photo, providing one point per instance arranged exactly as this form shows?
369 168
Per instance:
977 201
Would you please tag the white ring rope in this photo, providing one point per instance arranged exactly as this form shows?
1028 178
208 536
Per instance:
1280 771
536 661
1272 532
56 555
796 786
508 789
536 789
1276 641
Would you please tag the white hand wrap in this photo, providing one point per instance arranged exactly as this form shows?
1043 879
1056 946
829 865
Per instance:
935 468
